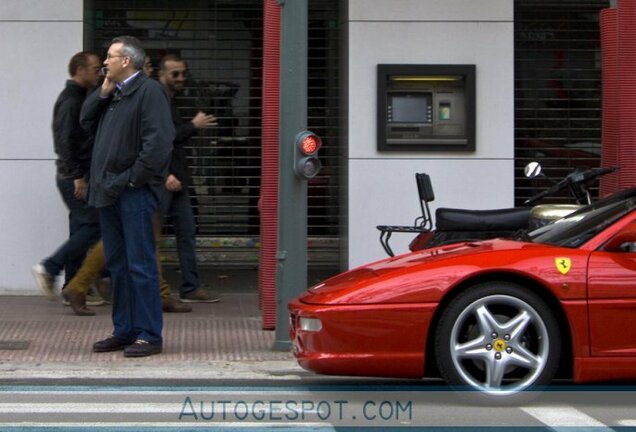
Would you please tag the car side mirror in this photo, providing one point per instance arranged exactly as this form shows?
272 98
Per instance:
624 241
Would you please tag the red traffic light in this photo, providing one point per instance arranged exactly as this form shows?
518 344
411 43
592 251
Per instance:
310 144
306 163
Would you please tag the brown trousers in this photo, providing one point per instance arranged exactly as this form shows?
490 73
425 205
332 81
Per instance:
95 263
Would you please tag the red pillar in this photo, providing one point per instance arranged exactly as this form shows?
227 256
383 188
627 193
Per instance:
610 131
627 93
268 202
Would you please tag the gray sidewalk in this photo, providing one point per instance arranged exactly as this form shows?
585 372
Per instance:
42 339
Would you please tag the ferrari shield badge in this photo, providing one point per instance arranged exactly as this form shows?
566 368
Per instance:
563 265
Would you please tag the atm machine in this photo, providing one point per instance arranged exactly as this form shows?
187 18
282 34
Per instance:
426 107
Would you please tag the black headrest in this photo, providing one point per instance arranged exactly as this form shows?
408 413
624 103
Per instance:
424 187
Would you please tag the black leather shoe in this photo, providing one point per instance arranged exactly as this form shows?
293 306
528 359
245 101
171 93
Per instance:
112 343
141 348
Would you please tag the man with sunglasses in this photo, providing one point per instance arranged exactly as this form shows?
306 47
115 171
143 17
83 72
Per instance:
73 147
130 115
176 204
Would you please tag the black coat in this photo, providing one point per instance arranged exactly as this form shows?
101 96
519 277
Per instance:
184 131
133 139
73 145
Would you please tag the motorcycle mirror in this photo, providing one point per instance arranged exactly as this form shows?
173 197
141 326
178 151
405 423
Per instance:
532 170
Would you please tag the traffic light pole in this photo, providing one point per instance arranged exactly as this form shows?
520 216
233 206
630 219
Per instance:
291 257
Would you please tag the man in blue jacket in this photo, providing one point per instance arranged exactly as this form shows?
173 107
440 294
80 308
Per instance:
130 115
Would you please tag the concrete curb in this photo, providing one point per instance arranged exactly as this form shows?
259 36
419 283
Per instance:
140 369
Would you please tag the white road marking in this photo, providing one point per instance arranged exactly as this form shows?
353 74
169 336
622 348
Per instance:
86 408
179 426
562 416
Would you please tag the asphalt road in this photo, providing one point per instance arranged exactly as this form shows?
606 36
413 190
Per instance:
308 404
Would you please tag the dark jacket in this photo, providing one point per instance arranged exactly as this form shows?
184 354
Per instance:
133 139
184 130
73 145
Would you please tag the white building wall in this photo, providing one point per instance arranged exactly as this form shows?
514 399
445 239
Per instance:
37 39
381 185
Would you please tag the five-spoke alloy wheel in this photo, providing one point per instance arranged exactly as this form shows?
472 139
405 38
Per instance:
498 339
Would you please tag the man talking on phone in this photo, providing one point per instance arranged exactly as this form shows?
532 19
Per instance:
130 116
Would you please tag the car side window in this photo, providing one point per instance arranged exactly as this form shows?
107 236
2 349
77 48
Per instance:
623 241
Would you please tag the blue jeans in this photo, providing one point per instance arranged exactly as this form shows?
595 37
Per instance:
83 226
129 246
177 207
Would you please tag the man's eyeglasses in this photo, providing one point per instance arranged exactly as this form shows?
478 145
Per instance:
175 74
108 56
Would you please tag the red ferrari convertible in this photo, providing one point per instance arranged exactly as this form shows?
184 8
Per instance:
497 316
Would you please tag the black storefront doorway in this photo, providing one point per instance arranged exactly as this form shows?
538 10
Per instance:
222 42
557 90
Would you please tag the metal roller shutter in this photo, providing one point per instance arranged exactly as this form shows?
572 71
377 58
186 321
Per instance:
557 89
222 40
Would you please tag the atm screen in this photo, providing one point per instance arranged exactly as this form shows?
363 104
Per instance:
410 108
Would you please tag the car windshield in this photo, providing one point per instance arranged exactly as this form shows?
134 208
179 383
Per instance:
577 228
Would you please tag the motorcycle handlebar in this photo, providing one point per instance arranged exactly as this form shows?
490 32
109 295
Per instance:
597 172
575 178
557 187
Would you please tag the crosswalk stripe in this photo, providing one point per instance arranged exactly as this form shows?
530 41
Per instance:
138 426
562 416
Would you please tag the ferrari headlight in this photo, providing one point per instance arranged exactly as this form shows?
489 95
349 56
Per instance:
310 324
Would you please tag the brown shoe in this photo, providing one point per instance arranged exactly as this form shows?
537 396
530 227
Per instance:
199 295
169 305
77 302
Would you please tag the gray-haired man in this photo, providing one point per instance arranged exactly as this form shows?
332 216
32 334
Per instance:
130 115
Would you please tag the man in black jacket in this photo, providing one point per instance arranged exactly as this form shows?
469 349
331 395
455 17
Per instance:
133 143
176 203
73 147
